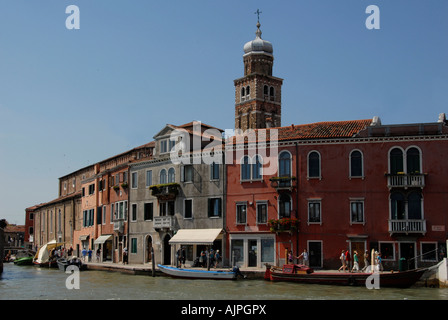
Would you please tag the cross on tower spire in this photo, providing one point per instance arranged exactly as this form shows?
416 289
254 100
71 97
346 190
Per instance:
258 15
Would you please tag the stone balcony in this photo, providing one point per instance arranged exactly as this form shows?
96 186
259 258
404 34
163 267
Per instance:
408 226
406 181
163 222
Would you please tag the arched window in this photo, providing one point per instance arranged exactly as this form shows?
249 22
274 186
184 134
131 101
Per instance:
397 204
413 160
257 166
247 91
245 168
396 161
284 164
265 90
314 164
284 204
163 176
356 169
171 175
271 91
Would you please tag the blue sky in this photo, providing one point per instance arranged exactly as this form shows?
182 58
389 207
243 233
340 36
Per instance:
70 98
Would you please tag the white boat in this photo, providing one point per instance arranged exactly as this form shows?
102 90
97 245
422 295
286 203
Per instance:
197 273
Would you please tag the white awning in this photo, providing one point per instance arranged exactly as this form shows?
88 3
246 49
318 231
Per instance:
195 236
102 239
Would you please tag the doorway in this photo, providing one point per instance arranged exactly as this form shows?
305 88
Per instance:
407 251
359 247
166 250
315 253
252 247
148 248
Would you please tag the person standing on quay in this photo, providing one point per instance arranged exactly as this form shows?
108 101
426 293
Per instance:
304 256
342 258
366 261
355 261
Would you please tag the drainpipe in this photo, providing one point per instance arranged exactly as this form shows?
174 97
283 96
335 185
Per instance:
297 194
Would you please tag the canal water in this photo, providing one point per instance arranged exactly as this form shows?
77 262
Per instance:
33 283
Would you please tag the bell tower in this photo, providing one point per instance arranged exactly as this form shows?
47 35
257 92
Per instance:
258 93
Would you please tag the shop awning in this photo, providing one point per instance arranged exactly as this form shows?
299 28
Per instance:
84 237
102 239
195 236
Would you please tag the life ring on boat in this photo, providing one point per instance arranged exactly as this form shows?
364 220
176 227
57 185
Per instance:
351 281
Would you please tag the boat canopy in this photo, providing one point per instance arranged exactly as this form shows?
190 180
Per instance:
43 254
102 239
195 236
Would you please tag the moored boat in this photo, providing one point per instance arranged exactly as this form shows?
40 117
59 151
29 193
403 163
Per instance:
303 274
42 257
198 273
72 261
25 261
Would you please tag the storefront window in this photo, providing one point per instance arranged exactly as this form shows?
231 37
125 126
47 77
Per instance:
267 250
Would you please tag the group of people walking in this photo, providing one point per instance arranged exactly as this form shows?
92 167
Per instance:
346 261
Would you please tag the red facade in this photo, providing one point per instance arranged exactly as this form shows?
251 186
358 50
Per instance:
380 188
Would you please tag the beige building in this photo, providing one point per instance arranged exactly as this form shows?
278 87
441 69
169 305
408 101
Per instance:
167 197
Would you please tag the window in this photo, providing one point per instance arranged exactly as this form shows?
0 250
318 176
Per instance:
284 206
267 250
171 175
314 165
187 173
163 146
91 189
397 206
148 211
134 178
413 161
314 211
214 207
241 213
414 205
387 250
284 164
405 162
396 161
171 145
148 178
257 168
245 168
356 167
429 251
188 209
272 91
162 176
134 212
357 211
262 212
214 171
104 214
133 245
251 169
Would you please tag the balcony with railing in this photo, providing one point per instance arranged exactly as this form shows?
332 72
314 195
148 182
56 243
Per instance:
167 191
119 225
163 222
282 183
408 226
402 180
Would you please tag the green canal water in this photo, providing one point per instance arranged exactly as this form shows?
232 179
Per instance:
33 283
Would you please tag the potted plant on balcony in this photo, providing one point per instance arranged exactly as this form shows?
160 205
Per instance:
165 189
285 181
290 225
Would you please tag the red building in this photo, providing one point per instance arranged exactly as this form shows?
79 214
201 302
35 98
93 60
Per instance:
346 185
